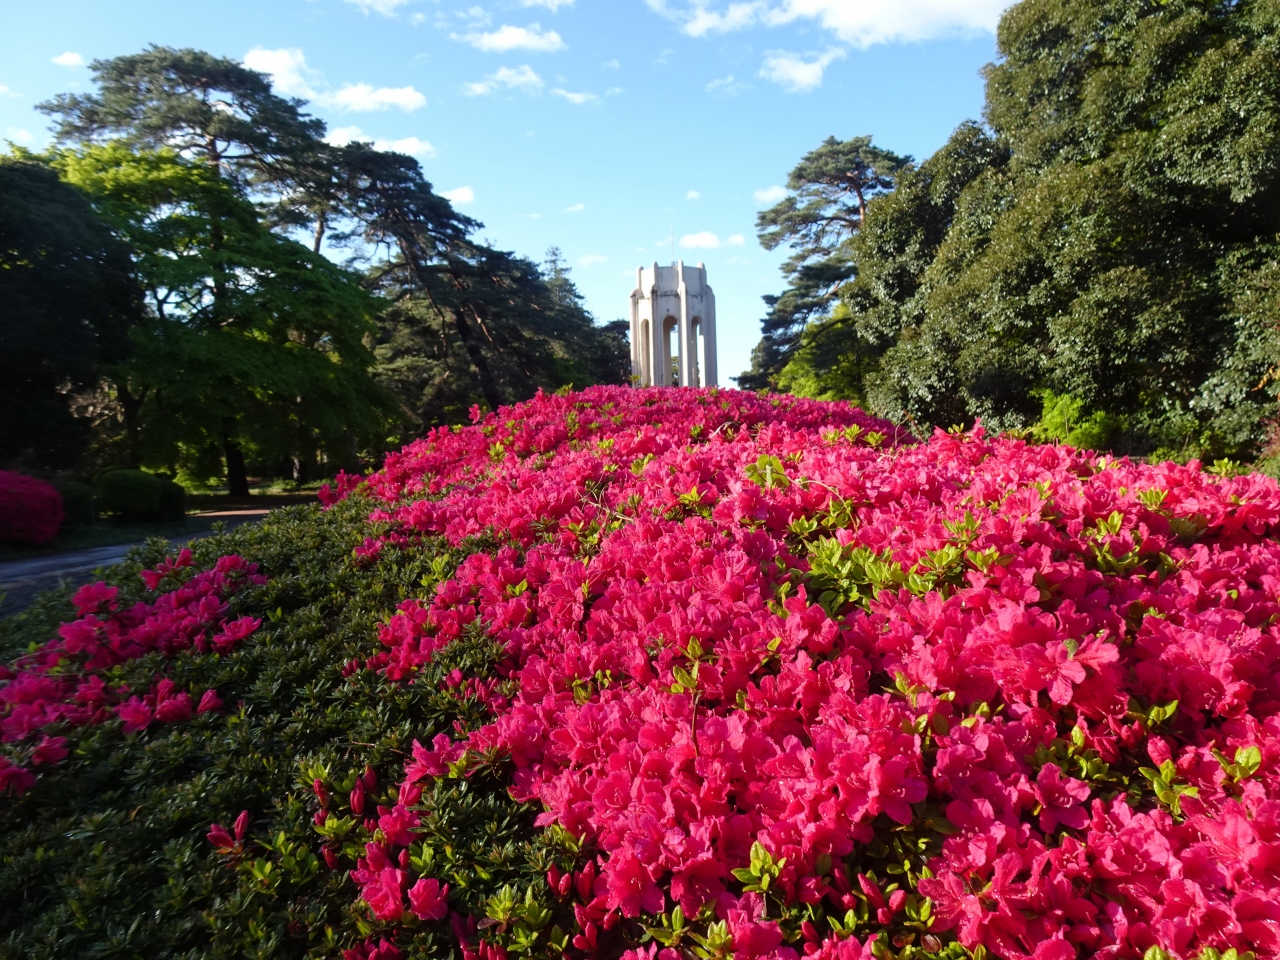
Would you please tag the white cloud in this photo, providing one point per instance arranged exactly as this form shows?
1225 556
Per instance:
520 78
706 240
611 65
287 68
19 135
410 145
5 91
693 195
361 98
552 5
578 99
460 195
727 86
69 59
576 208
859 24
507 38
736 240
795 73
291 76
422 149
385 7
769 195
702 20
591 259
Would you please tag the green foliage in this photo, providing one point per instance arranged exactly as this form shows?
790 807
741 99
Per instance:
1109 238
1063 421
830 189
131 493
69 295
251 336
173 500
79 502
106 856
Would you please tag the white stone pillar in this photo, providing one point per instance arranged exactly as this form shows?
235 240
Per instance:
709 341
686 334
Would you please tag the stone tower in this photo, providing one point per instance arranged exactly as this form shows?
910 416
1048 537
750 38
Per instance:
674 299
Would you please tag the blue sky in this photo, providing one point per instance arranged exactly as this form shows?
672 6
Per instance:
622 131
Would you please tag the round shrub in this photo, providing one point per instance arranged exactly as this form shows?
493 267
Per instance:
669 673
79 501
31 510
130 493
173 500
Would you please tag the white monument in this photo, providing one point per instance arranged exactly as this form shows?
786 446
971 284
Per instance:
673 300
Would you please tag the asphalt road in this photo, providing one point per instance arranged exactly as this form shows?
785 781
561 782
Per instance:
22 580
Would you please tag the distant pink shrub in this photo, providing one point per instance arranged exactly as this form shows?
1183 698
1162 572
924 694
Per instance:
30 510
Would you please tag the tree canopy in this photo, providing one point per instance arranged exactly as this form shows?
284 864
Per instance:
247 344
70 293
1107 239
829 191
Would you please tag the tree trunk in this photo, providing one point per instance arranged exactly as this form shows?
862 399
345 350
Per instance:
237 478
487 384
131 406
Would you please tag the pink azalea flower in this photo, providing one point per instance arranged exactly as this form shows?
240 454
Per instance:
427 899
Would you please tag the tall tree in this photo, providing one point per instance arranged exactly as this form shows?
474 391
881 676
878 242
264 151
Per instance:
1109 243
468 320
69 294
280 347
830 189
216 111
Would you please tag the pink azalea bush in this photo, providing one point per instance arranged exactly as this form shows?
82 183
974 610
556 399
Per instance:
62 683
796 684
31 510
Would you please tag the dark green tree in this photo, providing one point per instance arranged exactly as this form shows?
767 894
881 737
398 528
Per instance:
468 324
1108 245
69 295
830 189
281 346
213 110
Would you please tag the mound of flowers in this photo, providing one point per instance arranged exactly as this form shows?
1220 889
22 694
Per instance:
705 674
790 683
61 684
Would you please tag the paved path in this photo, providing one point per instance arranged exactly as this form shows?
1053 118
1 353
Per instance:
21 580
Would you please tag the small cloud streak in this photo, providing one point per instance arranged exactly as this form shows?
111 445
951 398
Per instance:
796 74
505 78
577 99
385 7
69 59
853 23
706 240
291 76
576 208
591 259
727 86
552 5
507 38
693 195
421 149
769 195
460 195
362 98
